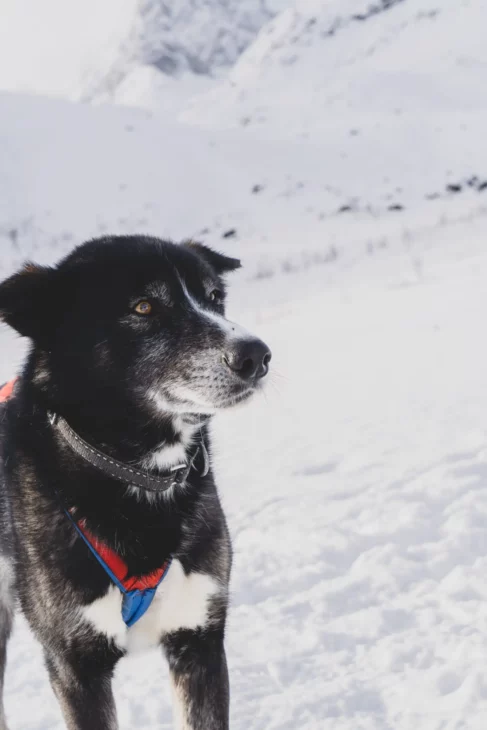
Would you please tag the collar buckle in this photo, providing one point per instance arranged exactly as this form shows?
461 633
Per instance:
52 418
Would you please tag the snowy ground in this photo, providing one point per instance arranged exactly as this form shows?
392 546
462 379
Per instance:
359 593
352 180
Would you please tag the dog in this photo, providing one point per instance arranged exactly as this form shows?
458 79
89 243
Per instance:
112 536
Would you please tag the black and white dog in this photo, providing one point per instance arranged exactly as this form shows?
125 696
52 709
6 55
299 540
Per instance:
112 536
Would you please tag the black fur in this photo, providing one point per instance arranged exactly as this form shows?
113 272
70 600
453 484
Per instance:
127 383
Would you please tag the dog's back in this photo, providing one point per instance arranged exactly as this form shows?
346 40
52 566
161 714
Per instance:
6 536
7 598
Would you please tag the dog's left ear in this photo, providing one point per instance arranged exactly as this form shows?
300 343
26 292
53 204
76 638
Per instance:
28 300
219 262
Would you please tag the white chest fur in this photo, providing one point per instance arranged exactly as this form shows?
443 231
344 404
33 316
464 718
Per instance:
181 602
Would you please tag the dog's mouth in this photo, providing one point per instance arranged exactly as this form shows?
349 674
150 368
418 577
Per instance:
195 398
237 399
218 401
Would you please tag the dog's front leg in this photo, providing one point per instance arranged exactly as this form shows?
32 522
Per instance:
199 678
83 692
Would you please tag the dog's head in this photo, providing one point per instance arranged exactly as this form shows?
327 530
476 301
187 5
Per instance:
139 314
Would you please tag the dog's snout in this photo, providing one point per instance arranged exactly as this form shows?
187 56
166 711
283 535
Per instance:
248 358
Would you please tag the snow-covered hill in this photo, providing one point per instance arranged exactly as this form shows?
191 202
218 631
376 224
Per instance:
71 171
359 65
85 50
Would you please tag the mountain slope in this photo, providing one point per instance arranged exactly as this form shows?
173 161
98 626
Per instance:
85 50
324 64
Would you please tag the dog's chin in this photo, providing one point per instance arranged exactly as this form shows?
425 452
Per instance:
236 400
185 401
224 403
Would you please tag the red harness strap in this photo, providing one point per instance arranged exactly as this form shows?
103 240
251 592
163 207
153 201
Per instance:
7 390
138 592
119 567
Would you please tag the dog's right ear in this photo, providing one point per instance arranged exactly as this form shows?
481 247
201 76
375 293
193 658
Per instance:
27 300
218 261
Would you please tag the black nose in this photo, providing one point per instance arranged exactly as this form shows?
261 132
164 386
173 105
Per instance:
248 358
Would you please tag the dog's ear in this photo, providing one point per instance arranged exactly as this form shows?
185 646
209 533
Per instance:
28 299
219 262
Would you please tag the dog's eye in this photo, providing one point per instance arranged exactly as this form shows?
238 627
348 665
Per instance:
216 296
144 307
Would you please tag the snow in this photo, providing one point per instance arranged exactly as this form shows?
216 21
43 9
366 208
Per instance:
356 498
85 50
355 62
145 86
355 486
57 47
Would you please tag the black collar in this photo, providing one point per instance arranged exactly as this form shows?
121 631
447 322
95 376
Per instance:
123 472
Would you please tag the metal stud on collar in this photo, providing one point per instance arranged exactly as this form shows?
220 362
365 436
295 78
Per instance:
206 459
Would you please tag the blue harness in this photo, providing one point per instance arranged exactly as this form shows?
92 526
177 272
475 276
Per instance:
138 592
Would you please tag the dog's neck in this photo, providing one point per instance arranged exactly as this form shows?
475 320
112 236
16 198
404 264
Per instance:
151 444
129 432
166 454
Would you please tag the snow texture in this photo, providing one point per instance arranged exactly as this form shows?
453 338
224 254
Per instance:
356 486
84 50
197 36
332 64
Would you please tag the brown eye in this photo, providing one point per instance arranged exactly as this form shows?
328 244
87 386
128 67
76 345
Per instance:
216 295
143 307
